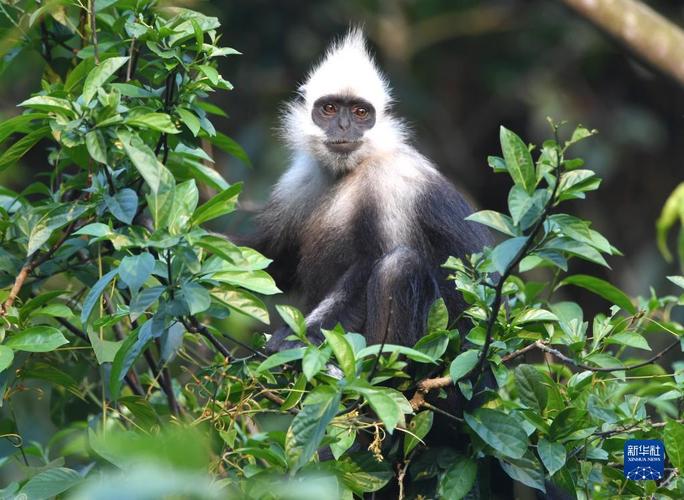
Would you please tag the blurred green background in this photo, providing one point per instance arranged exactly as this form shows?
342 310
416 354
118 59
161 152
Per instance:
459 69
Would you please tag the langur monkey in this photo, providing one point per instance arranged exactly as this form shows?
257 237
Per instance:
360 222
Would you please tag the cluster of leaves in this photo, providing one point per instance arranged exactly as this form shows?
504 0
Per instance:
114 300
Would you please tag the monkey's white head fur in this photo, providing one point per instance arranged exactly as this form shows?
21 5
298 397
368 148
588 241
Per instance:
347 69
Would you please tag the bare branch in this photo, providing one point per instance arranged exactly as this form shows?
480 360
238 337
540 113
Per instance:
642 30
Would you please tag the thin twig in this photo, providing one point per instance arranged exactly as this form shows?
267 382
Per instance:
577 364
93 29
194 326
30 265
132 52
518 353
430 384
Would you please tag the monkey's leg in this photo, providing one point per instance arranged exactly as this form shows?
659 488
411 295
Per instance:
401 289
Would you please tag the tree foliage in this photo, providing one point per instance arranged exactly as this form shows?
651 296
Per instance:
114 296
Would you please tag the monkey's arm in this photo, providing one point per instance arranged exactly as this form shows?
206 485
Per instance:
344 304
442 219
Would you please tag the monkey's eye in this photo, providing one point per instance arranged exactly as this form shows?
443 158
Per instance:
361 112
329 109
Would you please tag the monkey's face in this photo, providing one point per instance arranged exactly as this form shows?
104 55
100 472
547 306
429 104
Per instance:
344 120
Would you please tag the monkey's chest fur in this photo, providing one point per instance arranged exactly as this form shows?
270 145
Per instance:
364 216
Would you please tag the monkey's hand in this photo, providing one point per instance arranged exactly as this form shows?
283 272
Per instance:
284 338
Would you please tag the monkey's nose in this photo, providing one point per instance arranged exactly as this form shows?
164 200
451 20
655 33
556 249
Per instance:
344 124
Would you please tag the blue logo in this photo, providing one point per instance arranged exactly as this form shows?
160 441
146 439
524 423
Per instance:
644 459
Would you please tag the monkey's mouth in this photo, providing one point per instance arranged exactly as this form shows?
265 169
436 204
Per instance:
342 146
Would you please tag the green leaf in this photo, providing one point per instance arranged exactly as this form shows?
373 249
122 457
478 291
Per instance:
672 211
342 350
295 394
577 249
307 430
99 75
463 363
210 72
97 229
525 470
384 406
630 339
673 439
257 281
314 360
37 339
495 220
19 123
500 431
6 357
97 148
129 351
433 345
196 297
497 164
236 258
677 280
363 473
519 203
243 302
76 75
281 358
293 318
94 295
552 455
105 350
438 317
141 301
415 355
190 120
231 147
56 218
135 269
21 147
418 428
184 204
123 205
56 310
534 316
154 121
221 204
344 438
50 483
601 288
161 202
569 420
580 133
504 253
458 479
49 104
143 158
518 160
531 386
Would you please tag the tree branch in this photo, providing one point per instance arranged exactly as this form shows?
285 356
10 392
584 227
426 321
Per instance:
642 30
425 386
30 265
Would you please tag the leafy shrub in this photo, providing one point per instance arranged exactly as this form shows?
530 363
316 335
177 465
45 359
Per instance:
114 295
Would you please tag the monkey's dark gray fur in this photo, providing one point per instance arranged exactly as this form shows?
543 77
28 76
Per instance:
361 219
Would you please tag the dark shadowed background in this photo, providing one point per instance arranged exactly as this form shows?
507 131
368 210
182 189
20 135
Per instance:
459 71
